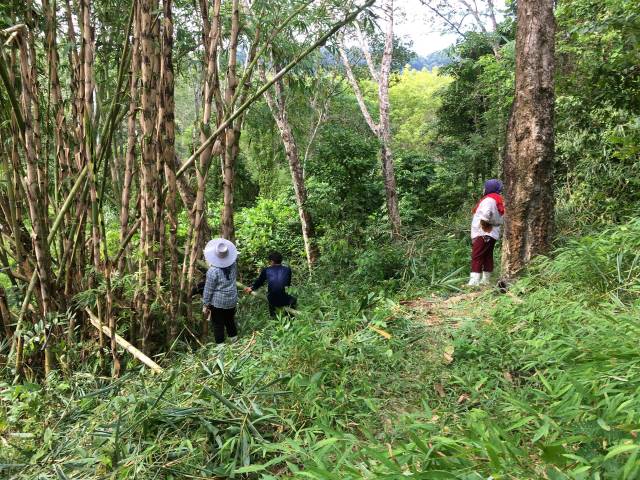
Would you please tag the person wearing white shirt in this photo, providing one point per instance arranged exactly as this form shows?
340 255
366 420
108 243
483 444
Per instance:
485 232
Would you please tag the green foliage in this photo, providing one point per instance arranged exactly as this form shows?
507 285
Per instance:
245 410
597 112
598 109
543 383
272 224
342 155
472 118
413 95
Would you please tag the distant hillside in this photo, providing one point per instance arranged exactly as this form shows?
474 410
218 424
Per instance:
435 59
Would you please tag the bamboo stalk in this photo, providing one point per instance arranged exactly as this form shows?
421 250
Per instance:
124 344
4 75
34 276
127 239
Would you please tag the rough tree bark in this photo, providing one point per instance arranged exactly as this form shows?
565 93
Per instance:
232 136
528 160
388 172
33 184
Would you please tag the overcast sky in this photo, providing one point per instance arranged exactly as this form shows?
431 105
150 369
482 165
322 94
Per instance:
412 24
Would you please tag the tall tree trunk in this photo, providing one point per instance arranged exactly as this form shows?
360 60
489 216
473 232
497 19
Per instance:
74 262
278 109
382 130
149 40
77 92
211 92
528 160
88 146
388 172
59 127
34 189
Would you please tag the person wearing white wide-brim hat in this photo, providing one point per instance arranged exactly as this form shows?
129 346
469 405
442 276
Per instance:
220 295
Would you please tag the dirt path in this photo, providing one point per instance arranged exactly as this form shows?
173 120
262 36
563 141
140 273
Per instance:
441 317
436 310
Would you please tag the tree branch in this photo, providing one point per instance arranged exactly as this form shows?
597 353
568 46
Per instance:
321 41
356 90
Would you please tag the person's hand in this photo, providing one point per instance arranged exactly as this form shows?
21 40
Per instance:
248 290
486 226
205 310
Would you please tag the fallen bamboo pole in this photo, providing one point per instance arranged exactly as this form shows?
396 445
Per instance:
124 344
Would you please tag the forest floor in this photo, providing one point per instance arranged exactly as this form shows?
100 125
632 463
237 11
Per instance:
543 382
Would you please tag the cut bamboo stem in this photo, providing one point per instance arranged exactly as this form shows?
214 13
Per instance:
124 344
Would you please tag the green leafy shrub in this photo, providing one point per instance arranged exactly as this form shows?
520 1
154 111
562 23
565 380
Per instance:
272 224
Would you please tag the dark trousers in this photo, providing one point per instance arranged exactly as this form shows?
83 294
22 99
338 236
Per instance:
293 301
221 319
482 254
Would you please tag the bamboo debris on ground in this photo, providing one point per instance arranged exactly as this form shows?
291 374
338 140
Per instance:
124 344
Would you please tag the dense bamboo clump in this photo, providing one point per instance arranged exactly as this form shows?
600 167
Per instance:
87 141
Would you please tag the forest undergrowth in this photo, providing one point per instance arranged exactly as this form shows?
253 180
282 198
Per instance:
405 377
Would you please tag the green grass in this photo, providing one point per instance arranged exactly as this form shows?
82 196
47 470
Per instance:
544 383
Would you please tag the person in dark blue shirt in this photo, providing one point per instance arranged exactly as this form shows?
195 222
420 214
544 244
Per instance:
278 278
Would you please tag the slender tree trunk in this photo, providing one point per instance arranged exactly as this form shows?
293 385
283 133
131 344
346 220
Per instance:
228 188
211 91
528 161
130 159
168 141
382 130
34 190
278 109
88 146
61 159
388 172
77 92
75 260
149 40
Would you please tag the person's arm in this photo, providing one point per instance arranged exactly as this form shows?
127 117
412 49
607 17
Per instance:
209 286
485 213
488 212
288 279
260 281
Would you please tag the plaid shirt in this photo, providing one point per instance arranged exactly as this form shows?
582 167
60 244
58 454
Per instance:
218 291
